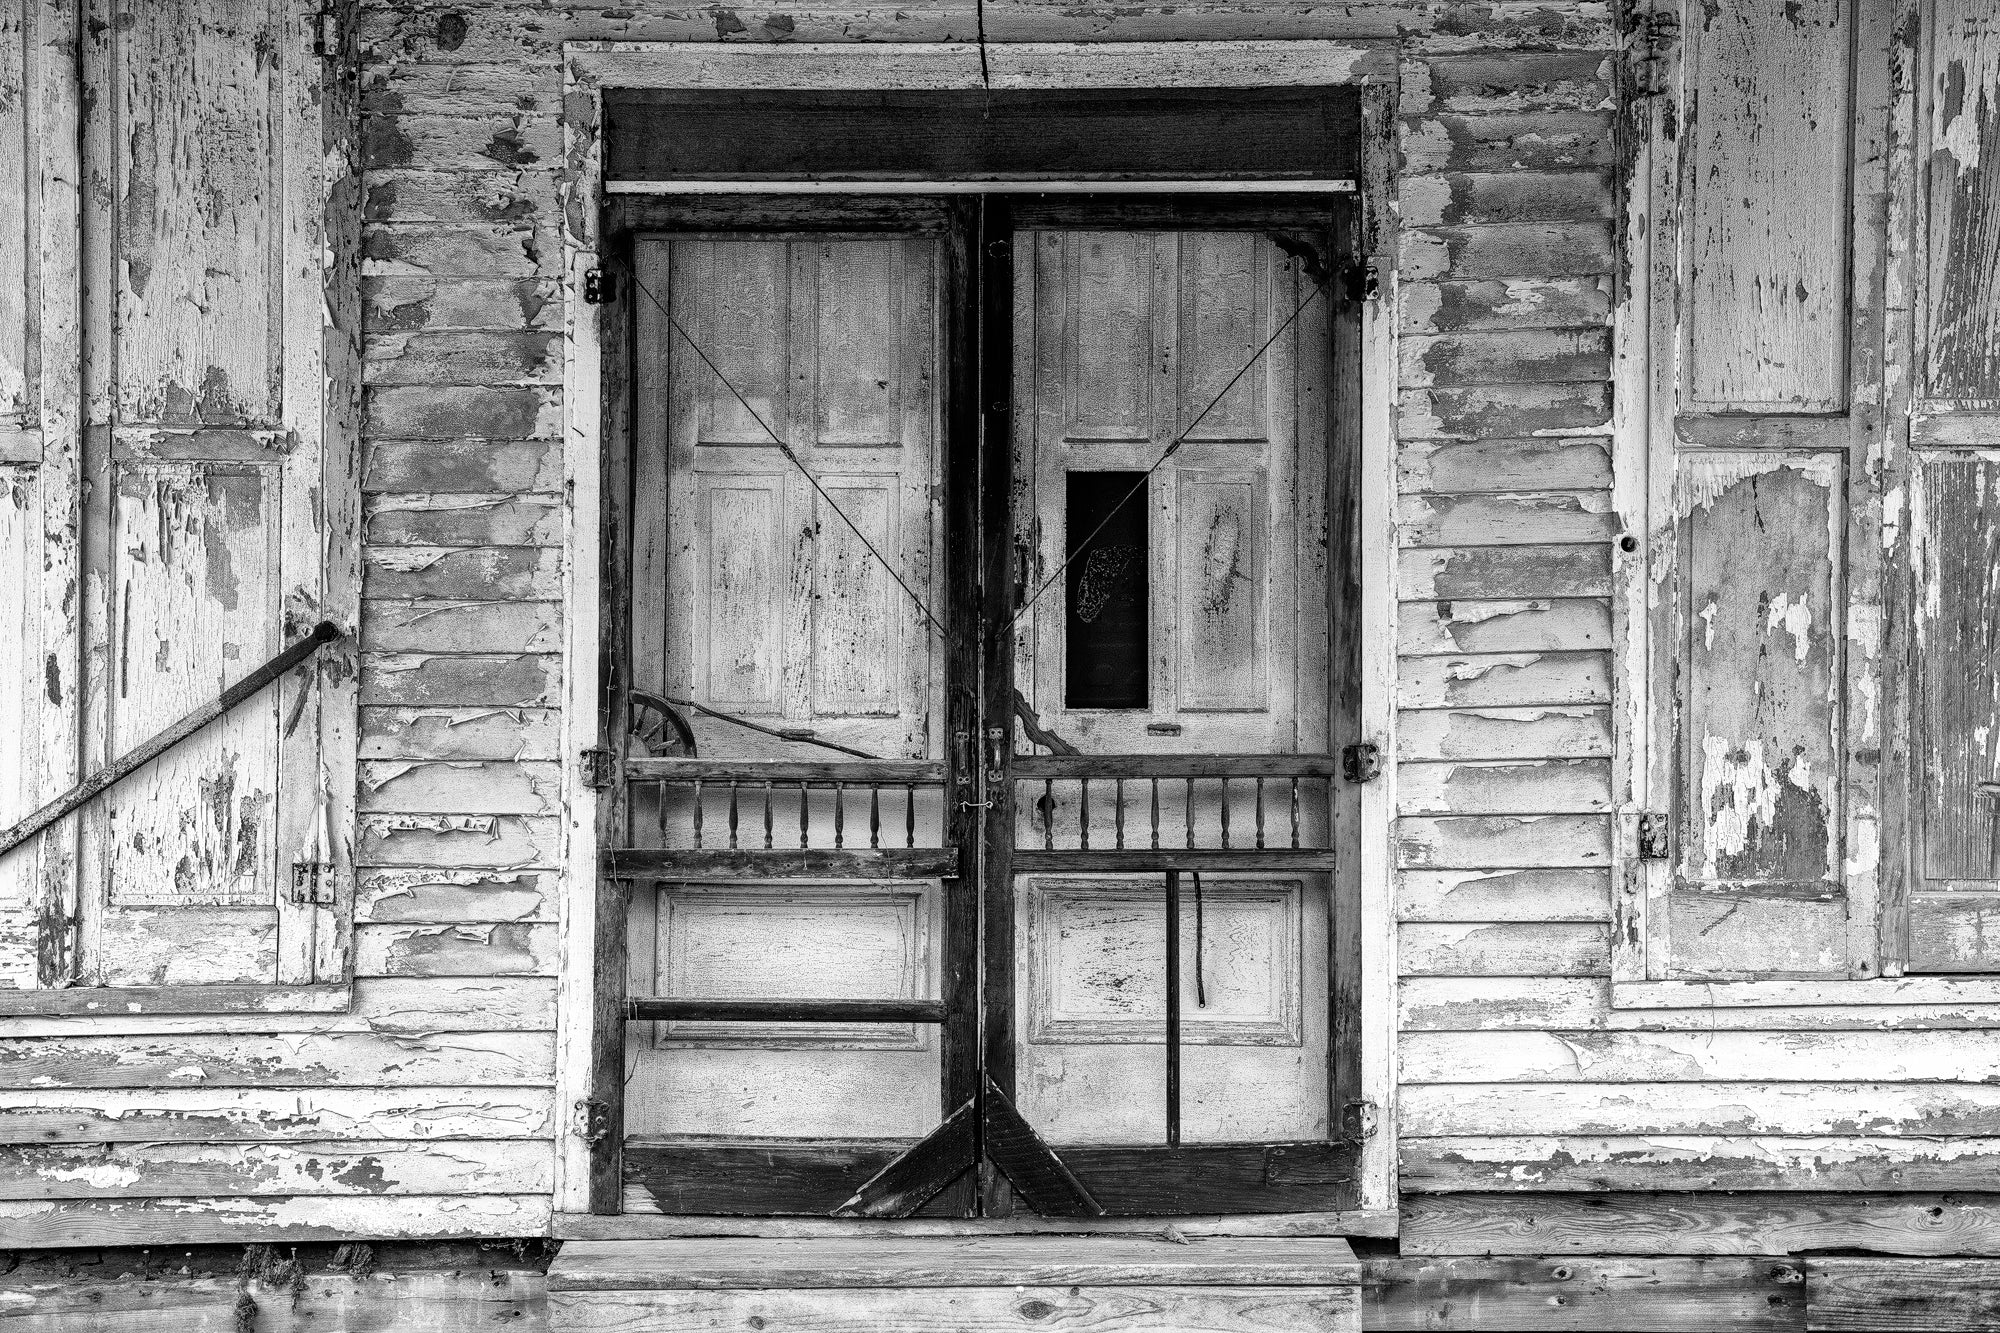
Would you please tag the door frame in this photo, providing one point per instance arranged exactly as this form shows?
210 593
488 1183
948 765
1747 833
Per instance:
590 1019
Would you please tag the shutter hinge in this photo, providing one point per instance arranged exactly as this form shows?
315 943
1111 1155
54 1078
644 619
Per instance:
593 1119
1361 762
595 768
312 884
1359 1120
1358 280
326 34
1657 37
599 287
1653 837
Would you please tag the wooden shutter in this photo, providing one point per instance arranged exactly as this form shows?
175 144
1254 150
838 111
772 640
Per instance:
1954 906
1760 563
38 477
218 526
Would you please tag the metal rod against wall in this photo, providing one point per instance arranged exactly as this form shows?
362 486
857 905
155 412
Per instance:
131 762
1173 1008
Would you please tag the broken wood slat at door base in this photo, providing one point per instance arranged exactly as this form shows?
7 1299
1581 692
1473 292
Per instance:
1031 1166
912 1179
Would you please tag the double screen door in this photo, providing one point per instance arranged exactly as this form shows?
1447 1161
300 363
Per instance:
985 612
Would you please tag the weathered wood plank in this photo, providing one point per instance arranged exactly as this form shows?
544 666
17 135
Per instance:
460 733
462 520
1517 949
1875 1110
470 787
345 1059
479 137
1690 1162
1572 463
1495 411
488 198
1962 291
455 897
465 949
476 575
508 841
238 1220
462 356
1503 733
407 305
1511 81
459 249
341 1115
466 466
983 1309
1458 305
1506 520
1693 1057
1490 680
1502 842
1663 1224
1540 625
1506 250
1583 1295
387 1005
1503 895
1537 141
1503 572
169 1170
1501 1004
1857 1295
404 626
468 680
148 1301
1484 787
1514 356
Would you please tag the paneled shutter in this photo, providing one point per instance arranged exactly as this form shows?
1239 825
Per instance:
38 478
218 525
1954 905
1760 563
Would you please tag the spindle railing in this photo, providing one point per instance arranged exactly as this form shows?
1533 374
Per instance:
1160 812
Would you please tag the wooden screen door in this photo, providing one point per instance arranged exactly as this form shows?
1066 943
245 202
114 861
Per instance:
978 611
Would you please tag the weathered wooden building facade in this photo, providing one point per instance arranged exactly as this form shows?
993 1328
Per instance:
1292 625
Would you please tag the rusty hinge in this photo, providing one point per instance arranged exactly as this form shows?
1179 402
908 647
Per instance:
1657 34
1361 762
593 1119
1358 280
1653 837
326 34
312 883
599 287
1359 1120
596 768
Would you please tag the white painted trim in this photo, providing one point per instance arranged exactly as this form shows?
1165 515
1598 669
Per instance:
1804 994
1025 185
942 66
1377 522
582 450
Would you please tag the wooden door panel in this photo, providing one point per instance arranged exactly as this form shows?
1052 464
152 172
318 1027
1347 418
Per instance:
1222 641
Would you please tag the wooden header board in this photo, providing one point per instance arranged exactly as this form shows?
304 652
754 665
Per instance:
1150 134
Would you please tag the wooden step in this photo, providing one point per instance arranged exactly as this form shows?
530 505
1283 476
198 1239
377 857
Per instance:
957 1284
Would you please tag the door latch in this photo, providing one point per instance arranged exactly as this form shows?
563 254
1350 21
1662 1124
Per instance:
599 287
1361 762
1359 1119
996 754
593 1119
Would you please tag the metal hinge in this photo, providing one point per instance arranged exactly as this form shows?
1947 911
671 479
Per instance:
596 768
1359 280
326 34
1653 837
1362 762
312 883
1359 1120
1657 37
593 1119
599 287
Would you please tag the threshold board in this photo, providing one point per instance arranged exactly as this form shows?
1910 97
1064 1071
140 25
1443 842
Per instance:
1106 1284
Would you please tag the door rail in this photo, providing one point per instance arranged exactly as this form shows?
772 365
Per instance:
1218 811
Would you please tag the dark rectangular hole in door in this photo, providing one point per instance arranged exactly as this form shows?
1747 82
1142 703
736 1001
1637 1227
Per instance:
1105 620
